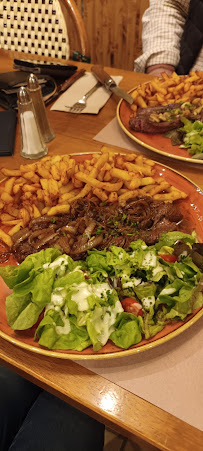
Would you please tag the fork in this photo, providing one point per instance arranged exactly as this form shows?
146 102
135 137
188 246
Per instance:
81 104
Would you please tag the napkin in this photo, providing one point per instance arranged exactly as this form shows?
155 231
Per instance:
95 102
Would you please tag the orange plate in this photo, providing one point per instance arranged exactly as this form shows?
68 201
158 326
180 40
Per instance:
157 143
191 208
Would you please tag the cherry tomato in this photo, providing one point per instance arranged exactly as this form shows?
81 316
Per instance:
130 305
168 257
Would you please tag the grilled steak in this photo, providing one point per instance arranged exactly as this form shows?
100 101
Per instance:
161 119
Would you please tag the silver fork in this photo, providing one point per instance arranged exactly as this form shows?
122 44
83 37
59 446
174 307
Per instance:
80 105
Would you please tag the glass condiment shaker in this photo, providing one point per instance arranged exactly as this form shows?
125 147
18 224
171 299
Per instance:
32 144
35 92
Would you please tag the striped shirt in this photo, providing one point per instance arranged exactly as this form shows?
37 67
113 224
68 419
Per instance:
163 24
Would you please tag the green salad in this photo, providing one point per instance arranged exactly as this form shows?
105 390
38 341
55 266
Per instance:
114 294
192 137
189 137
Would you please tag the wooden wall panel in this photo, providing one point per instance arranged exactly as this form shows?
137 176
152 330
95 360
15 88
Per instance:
114 30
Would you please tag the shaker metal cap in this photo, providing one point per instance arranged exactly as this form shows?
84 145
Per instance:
23 96
32 82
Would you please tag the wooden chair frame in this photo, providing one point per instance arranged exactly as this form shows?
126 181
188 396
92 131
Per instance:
78 38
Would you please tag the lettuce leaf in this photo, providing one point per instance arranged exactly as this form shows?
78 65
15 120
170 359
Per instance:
193 136
169 239
77 338
14 275
127 331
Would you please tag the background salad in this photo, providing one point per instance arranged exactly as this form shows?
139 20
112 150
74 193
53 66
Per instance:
120 295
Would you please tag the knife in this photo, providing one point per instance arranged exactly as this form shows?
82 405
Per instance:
110 83
65 85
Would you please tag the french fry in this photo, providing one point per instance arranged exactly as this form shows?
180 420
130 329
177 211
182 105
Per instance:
43 172
11 222
30 188
12 211
45 210
31 176
28 167
58 209
36 212
55 172
113 196
84 192
100 194
134 183
159 188
66 196
44 183
121 174
11 172
6 217
8 187
15 228
127 195
6 198
5 238
53 188
97 184
24 215
141 169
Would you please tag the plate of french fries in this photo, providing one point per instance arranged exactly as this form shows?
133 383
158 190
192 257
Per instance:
163 91
50 185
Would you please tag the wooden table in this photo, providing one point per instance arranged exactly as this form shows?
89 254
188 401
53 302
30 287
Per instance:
130 415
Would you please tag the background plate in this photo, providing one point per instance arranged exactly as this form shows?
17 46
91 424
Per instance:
157 143
192 208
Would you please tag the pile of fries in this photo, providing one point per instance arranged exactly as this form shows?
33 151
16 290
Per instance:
49 186
168 89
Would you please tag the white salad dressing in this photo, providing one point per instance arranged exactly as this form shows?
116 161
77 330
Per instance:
57 299
156 270
84 290
57 302
58 262
128 282
65 329
81 295
149 260
167 291
148 302
103 320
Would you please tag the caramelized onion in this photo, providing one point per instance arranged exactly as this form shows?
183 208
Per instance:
93 242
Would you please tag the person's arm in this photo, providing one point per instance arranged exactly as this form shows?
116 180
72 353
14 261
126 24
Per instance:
163 24
157 69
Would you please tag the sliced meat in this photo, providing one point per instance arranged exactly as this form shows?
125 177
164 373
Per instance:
142 124
92 225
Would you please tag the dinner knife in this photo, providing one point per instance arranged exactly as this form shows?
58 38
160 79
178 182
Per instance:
110 83
65 85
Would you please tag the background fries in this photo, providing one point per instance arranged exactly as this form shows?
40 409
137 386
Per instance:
52 184
168 89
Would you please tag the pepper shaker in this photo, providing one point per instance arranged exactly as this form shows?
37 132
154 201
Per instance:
35 93
32 144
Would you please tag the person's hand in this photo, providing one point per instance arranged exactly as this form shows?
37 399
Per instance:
158 69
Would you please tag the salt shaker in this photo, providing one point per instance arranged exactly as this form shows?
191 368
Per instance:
32 144
35 93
